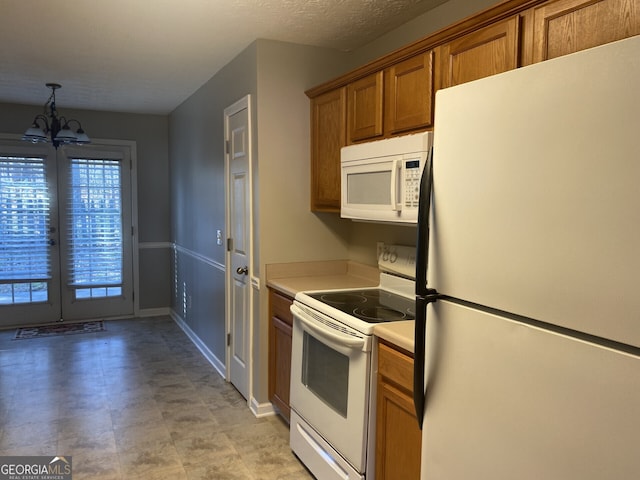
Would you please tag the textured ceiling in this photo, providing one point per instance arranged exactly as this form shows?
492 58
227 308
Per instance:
148 56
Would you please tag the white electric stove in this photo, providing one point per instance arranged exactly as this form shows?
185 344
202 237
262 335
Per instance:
331 365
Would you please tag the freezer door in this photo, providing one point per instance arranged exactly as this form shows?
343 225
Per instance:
510 401
535 195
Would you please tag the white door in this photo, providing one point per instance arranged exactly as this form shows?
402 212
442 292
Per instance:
96 233
238 186
29 243
66 236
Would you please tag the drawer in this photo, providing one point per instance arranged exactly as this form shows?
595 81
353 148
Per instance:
395 366
279 306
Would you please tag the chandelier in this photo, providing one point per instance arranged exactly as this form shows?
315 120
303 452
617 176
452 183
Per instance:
58 128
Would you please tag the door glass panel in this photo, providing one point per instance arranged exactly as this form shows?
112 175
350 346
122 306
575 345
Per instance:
24 231
95 228
326 373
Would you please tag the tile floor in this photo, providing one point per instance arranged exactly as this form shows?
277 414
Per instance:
138 401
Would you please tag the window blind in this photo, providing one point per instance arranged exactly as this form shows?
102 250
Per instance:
24 220
24 230
94 213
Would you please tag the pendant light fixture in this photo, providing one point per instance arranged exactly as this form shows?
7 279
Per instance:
58 128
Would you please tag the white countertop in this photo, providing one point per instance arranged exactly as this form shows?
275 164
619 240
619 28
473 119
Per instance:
399 334
291 278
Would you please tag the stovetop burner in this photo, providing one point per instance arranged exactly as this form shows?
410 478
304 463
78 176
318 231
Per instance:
370 305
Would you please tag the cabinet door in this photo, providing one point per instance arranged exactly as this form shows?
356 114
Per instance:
364 108
280 322
479 54
328 135
398 437
566 26
282 366
409 94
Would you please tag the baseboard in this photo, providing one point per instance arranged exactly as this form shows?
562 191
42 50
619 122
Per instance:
258 409
208 354
261 409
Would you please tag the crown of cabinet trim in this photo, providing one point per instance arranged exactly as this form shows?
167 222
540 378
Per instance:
476 21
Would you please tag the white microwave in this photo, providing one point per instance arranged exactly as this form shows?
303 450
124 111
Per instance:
380 180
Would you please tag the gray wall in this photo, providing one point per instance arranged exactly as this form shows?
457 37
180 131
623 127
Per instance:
198 198
276 74
150 132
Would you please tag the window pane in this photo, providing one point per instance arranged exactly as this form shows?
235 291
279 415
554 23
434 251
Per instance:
24 230
95 228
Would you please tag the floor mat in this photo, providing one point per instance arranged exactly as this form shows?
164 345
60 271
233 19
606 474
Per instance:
24 333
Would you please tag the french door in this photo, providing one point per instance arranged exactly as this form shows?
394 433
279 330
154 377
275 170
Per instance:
65 233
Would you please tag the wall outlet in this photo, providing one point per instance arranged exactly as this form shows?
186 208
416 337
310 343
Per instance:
218 237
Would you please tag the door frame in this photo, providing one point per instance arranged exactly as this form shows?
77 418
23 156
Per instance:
241 104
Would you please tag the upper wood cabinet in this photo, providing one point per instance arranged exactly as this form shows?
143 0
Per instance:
328 135
479 54
364 108
560 27
394 100
409 94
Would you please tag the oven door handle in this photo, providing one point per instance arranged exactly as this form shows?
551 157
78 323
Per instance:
328 332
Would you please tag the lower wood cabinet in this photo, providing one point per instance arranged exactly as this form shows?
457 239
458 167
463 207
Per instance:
280 325
398 437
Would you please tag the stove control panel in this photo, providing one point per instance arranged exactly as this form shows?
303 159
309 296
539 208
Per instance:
398 259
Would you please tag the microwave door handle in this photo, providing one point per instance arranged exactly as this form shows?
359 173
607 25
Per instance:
396 190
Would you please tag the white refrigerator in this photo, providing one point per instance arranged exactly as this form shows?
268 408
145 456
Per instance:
528 280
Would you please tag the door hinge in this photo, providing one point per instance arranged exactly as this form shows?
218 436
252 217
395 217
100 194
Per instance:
133 232
229 244
226 147
228 339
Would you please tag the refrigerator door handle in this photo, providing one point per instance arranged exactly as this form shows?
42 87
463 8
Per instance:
419 358
424 206
424 295
419 390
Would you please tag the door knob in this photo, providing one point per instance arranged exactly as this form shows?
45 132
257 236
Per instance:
242 270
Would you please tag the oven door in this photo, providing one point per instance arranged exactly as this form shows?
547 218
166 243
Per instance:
330 368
